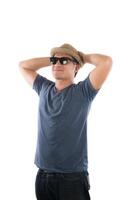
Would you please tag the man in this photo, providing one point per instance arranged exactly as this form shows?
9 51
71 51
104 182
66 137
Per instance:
61 153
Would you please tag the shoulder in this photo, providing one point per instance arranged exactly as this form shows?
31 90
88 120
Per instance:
41 82
86 88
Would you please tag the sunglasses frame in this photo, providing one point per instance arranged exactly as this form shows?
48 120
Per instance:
54 60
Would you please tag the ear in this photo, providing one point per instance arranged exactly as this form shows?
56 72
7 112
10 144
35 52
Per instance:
77 67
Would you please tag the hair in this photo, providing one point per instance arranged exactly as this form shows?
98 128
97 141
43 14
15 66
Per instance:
75 74
75 61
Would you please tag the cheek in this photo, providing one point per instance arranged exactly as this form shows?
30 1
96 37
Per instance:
52 68
71 69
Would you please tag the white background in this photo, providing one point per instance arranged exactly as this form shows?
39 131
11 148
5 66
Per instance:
30 28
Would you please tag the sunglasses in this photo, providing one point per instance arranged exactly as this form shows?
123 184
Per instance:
62 60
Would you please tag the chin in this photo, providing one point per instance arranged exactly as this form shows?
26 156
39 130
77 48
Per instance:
58 77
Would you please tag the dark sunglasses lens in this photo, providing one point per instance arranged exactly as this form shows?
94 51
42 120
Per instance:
63 61
53 60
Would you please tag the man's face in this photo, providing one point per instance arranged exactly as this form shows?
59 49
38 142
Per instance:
64 71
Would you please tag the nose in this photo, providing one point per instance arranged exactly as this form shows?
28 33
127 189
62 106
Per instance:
57 63
58 66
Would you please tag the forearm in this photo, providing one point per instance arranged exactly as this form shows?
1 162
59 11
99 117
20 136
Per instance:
35 63
97 59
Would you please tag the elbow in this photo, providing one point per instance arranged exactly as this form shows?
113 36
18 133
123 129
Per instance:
109 61
21 64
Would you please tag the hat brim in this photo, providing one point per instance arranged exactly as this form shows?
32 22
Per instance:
69 52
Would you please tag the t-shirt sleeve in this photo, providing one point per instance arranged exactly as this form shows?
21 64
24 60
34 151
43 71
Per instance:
40 82
87 89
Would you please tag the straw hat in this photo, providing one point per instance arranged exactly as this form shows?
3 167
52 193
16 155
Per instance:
69 50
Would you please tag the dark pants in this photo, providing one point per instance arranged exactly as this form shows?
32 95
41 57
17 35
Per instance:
62 186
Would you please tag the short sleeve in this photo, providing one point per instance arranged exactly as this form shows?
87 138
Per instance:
87 89
40 82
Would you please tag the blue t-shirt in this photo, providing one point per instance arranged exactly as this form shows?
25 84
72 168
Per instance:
62 125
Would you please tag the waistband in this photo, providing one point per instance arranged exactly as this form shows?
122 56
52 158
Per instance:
67 174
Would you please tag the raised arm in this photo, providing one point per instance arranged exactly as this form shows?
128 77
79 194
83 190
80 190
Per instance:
102 68
28 68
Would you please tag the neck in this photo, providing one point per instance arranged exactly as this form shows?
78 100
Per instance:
61 84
